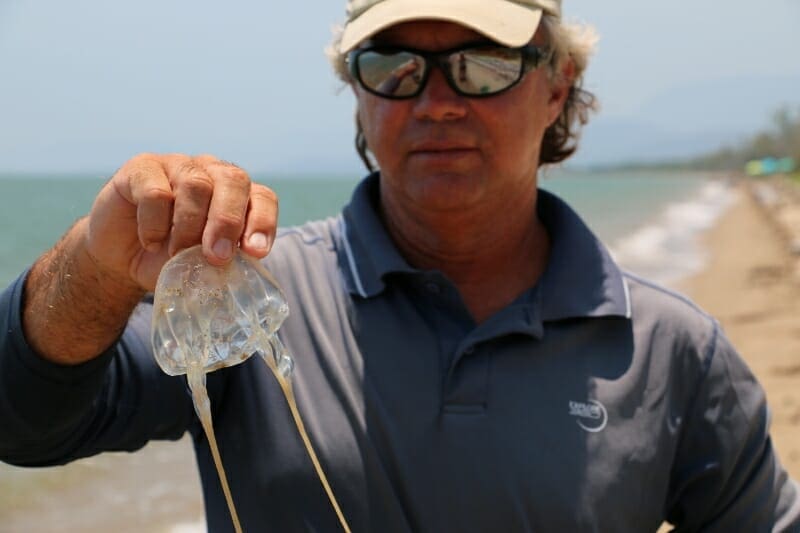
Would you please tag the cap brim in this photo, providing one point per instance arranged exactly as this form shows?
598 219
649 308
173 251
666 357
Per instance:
506 22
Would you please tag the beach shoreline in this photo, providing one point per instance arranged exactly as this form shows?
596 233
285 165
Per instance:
751 285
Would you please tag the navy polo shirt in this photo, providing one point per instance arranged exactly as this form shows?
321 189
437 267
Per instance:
595 401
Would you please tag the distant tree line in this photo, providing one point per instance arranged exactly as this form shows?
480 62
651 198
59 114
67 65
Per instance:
782 139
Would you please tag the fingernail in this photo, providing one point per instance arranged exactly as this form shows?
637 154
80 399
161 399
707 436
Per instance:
223 249
257 240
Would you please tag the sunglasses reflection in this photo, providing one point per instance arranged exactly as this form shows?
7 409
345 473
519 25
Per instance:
475 72
482 73
407 71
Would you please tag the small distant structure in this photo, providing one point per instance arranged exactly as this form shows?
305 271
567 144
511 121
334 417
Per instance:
769 166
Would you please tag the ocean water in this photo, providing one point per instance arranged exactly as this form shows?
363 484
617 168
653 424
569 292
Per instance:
35 210
651 221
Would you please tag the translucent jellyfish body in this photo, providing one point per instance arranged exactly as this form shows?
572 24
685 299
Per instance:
216 316
206 318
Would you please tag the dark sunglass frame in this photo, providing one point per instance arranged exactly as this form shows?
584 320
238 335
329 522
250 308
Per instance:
531 57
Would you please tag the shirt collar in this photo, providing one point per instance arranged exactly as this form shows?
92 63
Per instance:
369 251
581 279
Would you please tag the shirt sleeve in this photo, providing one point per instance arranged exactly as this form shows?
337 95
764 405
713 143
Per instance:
51 414
727 476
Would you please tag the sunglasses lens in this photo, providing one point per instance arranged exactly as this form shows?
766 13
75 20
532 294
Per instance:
394 74
485 70
481 70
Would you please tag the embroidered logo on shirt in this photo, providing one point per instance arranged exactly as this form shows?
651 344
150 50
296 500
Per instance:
590 416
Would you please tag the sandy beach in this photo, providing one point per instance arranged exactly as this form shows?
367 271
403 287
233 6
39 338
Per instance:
751 284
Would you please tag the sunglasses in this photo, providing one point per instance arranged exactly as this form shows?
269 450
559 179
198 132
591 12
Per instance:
473 70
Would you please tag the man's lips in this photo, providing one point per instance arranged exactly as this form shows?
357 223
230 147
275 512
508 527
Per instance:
441 147
442 152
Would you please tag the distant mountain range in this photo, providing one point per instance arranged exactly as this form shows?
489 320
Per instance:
687 121
680 123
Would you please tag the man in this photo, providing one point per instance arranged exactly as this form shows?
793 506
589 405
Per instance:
468 356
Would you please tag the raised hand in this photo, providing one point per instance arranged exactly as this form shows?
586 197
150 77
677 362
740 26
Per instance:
80 294
157 205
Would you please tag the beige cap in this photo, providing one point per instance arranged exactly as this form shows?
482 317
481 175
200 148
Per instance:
509 22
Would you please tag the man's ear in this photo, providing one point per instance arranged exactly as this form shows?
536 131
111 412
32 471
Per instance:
560 89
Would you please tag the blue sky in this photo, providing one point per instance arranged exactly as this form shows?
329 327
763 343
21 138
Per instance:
87 84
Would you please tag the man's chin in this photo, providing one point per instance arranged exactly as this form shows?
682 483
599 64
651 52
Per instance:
446 191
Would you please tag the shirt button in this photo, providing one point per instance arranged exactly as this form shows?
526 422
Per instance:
469 350
433 287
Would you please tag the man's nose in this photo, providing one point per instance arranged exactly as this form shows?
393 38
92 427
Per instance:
438 101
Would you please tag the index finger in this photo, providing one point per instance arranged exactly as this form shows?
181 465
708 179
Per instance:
145 185
262 213
262 221
226 212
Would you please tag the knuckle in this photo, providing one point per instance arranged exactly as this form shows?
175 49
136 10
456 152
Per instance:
144 163
198 183
207 159
233 221
264 193
188 166
135 175
176 159
147 185
138 174
156 194
187 219
212 160
237 177
144 157
138 161
153 233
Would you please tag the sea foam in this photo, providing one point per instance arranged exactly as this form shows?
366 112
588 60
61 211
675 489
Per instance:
669 247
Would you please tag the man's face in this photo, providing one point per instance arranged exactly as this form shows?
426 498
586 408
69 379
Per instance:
441 151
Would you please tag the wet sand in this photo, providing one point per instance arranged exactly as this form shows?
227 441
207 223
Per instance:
161 489
751 284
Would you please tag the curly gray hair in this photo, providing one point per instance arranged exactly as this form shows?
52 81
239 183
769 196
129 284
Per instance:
567 41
